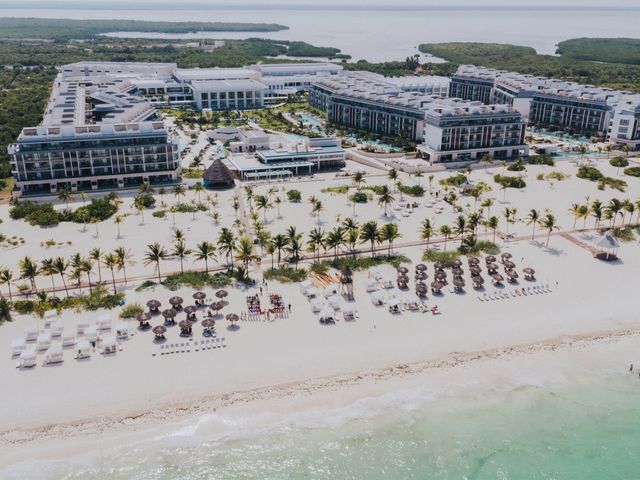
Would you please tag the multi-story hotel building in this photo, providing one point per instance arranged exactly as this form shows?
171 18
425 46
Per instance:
625 127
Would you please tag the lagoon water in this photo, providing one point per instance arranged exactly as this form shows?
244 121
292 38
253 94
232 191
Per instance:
379 32
579 430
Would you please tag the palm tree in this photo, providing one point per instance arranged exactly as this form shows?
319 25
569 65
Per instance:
46 267
278 201
487 203
430 179
549 223
6 277
95 221
335 239
198 188
493 223
271 250
293 233
262 203
204 251
83 197
110 260
226 243
445 231
487 159
510 216
124 257
426 230
574 210
86 266
60 266
162 192
613 208
248 190
582 150
96 255
370 233
596 212
118 219
155 254
389 233
460 227
146 188
385 197
244 251
294 248
29 270
138 203
533 218
418 175
178 191
315 241
280 241
626 149
65 196
627 207
317 209
358 179
263 237
393 176
181 251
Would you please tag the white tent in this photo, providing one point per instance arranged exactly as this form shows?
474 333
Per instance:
371 284
305 285
104 322
331 290
27 359
18 346
607 243
316 304
122 330
83 324
326 314
53 354
68 338
334 302
44 341
31 332
377 298
109 344
91 334
83 349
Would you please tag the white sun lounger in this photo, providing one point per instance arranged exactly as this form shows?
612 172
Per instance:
43 341
68 339
53 354
56 327
18 346
27 359
31 333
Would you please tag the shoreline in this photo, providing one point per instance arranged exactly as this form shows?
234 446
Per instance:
58 440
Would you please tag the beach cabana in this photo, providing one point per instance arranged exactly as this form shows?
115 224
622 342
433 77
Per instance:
104 322
122 330
349 312
388 281
109 345
53 354
83 350
334 302
371 284
18 346
28 359
81 325
312 292
68 339
606 247
31 332
326 315
331 290
394 304
305 285
43 341
410 300
91 334
316 304
377 298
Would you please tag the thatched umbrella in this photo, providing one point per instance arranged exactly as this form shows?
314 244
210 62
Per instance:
169 314
508 264
497 278
421 267
199 298
208 323
159 331
421 276
402 270
440 275
217 306
438 266
185 327
421 289
512 274
143 318
492 267
529 273
176 302
458 283
474 261
232 317
506 256
456 263
222 294
191 312
490 259
437 286
153 305
458 272
475 270
477 280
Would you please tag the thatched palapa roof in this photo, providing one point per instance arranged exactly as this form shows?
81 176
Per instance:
218 175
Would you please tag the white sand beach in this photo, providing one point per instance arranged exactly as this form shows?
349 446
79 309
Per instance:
586 319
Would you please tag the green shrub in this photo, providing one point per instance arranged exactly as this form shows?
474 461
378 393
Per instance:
446 258
632 171
146 284
285 274
5 310
454 180
101 208
413 190
132 310
541 160
589 173
377 189
159 214
559 176
190 207
516 167
34 213
363 263
342 189
359 197
510 182
145 200
294 196
619 162
615 183
196 280
472 246
624 234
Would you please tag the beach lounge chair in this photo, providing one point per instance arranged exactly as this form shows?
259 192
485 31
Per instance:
91 334
31 333
68 339
83 350
223 342
27 359
109 345
122 330
334 302
331 290
388 281
43 341
104 322
56 327
305 285
49 317
82 325
18 346
394 304
316 304
377 298
53 354
371 285
348 312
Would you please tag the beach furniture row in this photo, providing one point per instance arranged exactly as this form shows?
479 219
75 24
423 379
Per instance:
187 347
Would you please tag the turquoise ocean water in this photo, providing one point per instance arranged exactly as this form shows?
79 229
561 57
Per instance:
589 430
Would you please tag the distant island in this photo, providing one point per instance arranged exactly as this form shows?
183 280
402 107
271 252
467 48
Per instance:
66 29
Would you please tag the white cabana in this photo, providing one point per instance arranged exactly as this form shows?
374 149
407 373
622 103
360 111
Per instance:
122 330
18 346
305 285
311 292
316 304
83 350
104 322
83 324
388 281
56 327
49 317
371 284
607 245
377 298
376 273
53 354
109 344
91 334
31 332
27 359
394 304
68 338
349 312
326 314
331 290
334 302
410 300
43 341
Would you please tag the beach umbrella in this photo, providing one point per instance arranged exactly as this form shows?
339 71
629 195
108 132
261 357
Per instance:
185 324
458 272
222 294
512 274
456 263
506 256
475 270
490 259
232 317
437 286
438 266
207 323
497 277
478 280
508 264
143 317
474 260
421 288
403 270
159 330
458 282
217 306
529 272
153 305
440 275
421 275
176 301
169 313
199 296
421 267
190 309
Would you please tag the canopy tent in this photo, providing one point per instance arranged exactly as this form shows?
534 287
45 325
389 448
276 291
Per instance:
606 246
305 285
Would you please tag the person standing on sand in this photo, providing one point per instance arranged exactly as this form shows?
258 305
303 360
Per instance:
631 368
